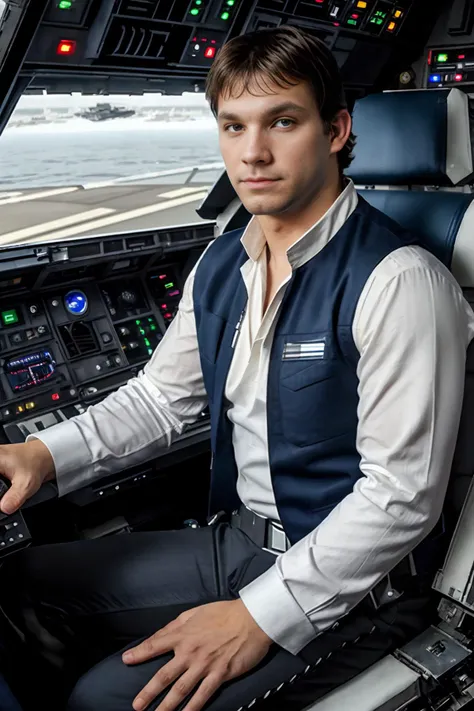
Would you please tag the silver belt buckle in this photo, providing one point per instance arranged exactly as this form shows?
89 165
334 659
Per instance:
277 539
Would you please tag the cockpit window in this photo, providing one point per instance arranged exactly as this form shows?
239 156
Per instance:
76 165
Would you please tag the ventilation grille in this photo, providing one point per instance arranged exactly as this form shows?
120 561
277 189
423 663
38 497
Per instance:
135 40
78 338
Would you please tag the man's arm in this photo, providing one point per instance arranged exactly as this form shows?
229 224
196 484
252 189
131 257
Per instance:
133 423
412 327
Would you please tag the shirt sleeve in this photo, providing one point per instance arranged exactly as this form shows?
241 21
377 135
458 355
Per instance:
412 328
145 415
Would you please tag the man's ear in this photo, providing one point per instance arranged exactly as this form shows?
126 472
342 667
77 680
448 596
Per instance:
341 127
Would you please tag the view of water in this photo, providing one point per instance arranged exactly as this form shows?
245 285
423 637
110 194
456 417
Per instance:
79 151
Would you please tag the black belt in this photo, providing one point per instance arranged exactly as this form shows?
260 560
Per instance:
266 534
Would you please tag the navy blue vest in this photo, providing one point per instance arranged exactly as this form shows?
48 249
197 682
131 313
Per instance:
312 385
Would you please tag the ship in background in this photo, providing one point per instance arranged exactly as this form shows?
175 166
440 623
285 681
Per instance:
105 112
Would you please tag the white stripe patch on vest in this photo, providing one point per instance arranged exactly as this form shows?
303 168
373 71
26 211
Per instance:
307 350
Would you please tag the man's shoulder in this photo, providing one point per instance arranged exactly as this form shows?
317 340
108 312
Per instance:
409 258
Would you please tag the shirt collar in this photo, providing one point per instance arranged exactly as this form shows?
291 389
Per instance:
314 239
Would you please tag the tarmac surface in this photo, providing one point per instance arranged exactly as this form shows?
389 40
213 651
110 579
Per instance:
54 213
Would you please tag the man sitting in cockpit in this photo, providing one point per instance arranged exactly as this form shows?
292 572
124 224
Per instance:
330 348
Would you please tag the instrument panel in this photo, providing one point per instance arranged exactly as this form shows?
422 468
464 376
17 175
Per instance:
75 333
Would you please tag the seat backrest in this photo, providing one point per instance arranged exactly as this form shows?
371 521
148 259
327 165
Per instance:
411 147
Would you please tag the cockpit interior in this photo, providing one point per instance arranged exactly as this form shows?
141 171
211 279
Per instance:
83 308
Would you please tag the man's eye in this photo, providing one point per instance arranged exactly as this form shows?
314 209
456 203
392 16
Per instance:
289 121
232 125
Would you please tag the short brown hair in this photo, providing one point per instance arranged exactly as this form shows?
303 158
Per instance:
280 56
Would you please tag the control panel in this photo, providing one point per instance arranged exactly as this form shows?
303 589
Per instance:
450 66
176 41
77 333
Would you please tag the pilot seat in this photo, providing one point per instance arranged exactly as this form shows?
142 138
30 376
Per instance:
414 161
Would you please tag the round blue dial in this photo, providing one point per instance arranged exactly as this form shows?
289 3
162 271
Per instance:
76 302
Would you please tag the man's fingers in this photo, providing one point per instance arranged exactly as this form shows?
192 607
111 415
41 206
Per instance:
207 688
186 685
158 643
16 496
158 683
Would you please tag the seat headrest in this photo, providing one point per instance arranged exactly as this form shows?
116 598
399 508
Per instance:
419 137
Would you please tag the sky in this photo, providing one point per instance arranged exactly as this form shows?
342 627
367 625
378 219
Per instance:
72 100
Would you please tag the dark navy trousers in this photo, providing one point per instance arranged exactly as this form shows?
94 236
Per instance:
80 604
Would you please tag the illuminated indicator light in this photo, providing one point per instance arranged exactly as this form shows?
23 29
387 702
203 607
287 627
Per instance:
442 58
65 5
461 56
391 26
20 408
142 331
66 47
150 351
194 11
55 396
225 16
30 405
398 14
430 54
153 328
9 317
352 22
147 342
362 4
355 16
138 321
150 318
198 2
435 78
169 285
163 276
458 77
210 52
213 41
336 24
194 39
231 3
319 2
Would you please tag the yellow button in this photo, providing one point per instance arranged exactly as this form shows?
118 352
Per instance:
20 408
397 13
391 27
362 4
30 405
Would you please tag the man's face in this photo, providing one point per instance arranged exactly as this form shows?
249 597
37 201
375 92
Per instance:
278 136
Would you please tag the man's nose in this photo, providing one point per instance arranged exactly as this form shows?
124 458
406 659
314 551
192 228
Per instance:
256 148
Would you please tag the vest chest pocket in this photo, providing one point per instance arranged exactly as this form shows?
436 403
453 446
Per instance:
318 400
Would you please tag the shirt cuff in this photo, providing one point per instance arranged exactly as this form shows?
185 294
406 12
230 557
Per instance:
276 612
70 454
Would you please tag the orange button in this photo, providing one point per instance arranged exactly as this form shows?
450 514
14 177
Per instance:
362 4
397 13
391 26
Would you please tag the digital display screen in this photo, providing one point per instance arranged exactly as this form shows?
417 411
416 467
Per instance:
27 371
9 317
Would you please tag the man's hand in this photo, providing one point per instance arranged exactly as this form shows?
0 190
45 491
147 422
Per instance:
212 644
27 466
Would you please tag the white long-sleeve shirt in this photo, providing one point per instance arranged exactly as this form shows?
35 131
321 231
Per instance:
411 327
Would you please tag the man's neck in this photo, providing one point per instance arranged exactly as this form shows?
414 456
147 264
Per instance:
283 231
